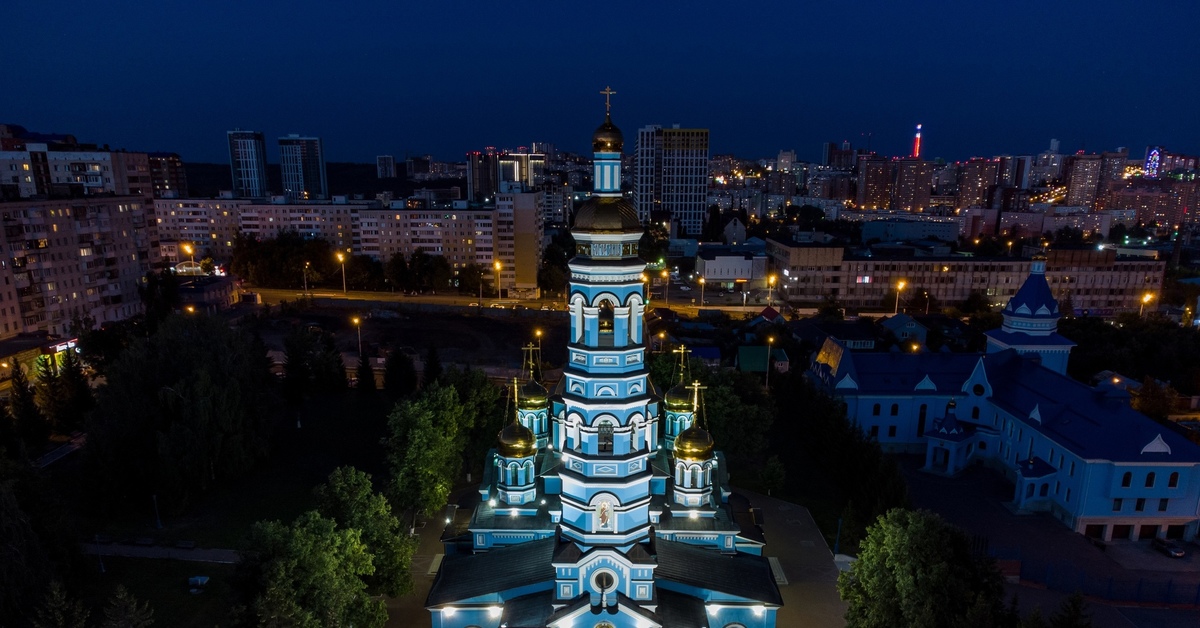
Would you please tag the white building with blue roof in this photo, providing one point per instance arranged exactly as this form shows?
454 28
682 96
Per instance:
1078 452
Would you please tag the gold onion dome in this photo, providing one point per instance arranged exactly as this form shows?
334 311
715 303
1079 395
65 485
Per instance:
516 441
694 445
532 396
608 138
678 399
607 214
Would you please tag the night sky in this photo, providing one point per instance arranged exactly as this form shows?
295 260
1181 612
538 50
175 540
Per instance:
446 77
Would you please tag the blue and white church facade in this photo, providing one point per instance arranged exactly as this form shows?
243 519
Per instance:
1078 452
605 504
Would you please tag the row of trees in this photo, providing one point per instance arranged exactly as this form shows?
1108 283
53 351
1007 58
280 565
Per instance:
56 401
914 569
328 566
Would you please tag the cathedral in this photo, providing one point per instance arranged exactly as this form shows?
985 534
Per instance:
605 503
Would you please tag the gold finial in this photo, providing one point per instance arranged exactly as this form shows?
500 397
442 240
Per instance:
683 352
608 92
696 388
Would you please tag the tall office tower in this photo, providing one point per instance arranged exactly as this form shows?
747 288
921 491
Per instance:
785 161
483 171
671 175
914 181
1112 165
248 163
1013 171
302 164
976 179
1084 173
167 175
547 149
839 157
385 167
523 169
874 183
518 242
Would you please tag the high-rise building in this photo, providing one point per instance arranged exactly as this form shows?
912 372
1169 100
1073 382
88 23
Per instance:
518 242
874 183
670 176
385 167
1084 173
914 182
1014 171
482 171
167 175
526 170
248 163
302 165
976 179
630 521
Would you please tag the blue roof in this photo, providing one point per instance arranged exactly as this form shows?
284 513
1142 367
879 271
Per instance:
1034 296
706 353
897 372
1093 423
1012 339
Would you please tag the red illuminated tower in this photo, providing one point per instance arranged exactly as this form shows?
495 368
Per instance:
917 143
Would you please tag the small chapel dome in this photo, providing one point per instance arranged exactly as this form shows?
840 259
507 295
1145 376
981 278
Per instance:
694 445
608 138
516 441
533 396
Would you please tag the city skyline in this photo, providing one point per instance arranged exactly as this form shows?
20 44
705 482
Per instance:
413 80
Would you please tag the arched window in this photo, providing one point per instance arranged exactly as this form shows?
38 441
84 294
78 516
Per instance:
695 473
606 436
1173 481
1044 491
512 473
1150 480
875 410
895 409
606 318
1126 480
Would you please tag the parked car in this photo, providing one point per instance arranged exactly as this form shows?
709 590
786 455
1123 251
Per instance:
1168 548
685 288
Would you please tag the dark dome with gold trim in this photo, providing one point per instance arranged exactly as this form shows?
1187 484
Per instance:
533 396
516 441
608 138
678 399
607 214
694 445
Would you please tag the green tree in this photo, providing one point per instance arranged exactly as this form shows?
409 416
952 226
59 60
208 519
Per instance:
365 375
479 416
1035 620
328 369
76 391
47 393
399 375
58 610
421 449
1072 613
182 411
307 575
396 272
348 499
22 405
470 278
125 611
913 569
433 367
1154 399
160 297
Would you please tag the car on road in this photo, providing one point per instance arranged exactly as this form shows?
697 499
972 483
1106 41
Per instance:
473 305
685 289
1168 548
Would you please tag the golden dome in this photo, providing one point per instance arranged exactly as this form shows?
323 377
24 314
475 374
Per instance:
694 445
678 399
608 138
516 441
532 396
607 214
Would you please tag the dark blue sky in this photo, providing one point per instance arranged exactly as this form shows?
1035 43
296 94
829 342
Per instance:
446 77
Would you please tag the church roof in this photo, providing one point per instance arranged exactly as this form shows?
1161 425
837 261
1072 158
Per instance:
472 575
528 611
1011 339
895 373
607 214
742 575
1034 299
1091 422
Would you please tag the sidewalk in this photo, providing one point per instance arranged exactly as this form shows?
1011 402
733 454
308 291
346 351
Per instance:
200 555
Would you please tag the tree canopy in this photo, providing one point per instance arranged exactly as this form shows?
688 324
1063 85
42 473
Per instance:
422 449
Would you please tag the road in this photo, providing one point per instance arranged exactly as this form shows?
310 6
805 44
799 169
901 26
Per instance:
62 451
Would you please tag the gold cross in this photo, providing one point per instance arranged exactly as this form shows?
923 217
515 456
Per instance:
608 92
696 388
683 351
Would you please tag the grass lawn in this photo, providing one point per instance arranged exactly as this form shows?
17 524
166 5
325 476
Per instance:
163 583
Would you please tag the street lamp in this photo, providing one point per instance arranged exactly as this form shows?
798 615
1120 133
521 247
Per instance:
770 287
666 289
305 272
496 265
358 325
1146 298
767 381
341 258
191 251
899 287
538 333
701 291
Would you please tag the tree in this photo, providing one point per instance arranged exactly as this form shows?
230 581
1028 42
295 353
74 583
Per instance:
22 405
1154 399
1072 613
46 391
421 449
58 610
399 375
125 611
365 375
396 272
479 416
160 297
307 575
182 411
470 278
348 499
773 474
913 569
76 391
433 367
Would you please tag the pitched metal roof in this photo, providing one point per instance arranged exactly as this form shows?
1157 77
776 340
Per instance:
472 575
741 575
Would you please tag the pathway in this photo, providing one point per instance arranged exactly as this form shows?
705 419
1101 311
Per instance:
199 555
